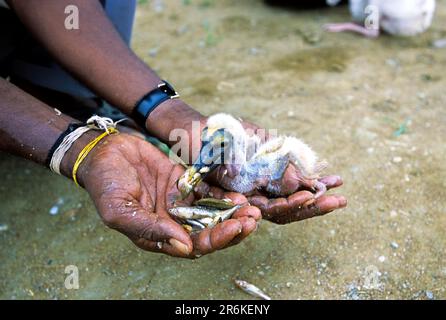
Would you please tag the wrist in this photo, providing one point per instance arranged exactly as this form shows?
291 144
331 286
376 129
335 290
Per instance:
68 161
169 115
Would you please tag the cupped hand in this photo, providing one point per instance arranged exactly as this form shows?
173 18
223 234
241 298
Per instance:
301 204
133 185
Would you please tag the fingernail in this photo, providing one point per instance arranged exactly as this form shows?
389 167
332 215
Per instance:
342 202
179 246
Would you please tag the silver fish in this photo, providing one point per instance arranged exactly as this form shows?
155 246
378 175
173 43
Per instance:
208 221
196 225
226 214
251 289
196 212
198 218
199 212
215 203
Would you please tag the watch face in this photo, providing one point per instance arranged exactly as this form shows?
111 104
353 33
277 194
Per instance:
168 89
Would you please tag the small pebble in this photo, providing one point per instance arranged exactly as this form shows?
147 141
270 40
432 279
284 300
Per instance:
393 63
394 245
397 159
182 30
289 284
393 213
158 6
254 51
153 52
439 43
3 227
54 210
429 295
382 259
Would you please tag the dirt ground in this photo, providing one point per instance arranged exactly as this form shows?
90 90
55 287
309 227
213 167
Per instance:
375 109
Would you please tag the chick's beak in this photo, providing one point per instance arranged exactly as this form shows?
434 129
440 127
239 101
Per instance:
212 152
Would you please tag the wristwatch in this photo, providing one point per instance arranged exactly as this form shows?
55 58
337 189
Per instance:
151 100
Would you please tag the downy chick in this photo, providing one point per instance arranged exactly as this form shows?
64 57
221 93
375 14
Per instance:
248 165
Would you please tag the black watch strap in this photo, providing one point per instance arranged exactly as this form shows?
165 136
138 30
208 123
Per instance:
150 101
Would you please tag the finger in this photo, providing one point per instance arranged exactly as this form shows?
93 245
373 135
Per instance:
321 206
329 203
203 190
140 224
173 194
249 225
332 181
209 240
235 197
160 247
248 211
271 208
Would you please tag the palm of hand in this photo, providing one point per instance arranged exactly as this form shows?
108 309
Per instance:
133 185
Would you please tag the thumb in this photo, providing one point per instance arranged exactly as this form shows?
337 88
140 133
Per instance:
153 232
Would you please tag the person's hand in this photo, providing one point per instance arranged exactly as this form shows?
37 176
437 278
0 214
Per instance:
133 184
298 206
301 204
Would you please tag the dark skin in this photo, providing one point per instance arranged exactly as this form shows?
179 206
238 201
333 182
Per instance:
96 55
133 186
130 181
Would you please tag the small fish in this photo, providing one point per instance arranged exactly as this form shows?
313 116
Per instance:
251 289
226 214
195 225
199 212
215 203
208 221
196 212
198 218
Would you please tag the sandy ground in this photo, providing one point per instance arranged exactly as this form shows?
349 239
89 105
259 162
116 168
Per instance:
373 108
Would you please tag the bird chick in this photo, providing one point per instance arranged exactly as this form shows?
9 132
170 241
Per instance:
267 167
396 17
247 165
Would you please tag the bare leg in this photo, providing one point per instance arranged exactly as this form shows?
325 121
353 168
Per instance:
353 27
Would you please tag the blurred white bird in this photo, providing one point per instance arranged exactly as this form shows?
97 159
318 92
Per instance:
396 17
249 165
